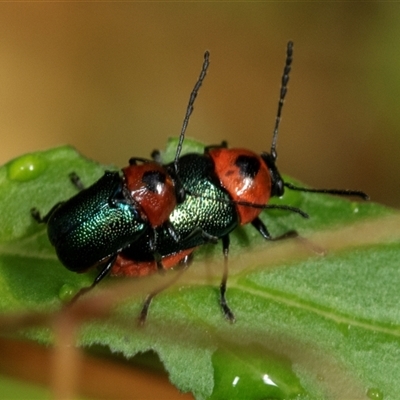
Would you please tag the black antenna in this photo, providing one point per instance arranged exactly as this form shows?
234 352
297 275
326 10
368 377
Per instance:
253 205
272 206
189 109
285 80
342 192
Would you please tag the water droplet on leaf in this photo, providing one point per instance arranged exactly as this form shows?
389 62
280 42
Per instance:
253 373
26 168
374 394
355 207
67 292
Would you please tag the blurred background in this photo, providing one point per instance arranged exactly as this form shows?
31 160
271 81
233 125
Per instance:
113 80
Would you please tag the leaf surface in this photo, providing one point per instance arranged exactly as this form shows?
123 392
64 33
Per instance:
317 316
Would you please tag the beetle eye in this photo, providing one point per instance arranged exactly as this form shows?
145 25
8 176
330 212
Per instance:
278 188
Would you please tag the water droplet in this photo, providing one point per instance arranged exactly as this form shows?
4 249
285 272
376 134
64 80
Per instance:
67 292
253 373
26 168
354 207
374 394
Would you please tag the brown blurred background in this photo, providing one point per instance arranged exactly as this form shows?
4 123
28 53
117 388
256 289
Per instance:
113 79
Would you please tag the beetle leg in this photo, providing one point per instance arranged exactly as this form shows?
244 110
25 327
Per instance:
76 181
200 232
152 240
172 231
156 255
222 287
103 273
185 262
134 160
156 156
262 229
43 220
158 259
35 213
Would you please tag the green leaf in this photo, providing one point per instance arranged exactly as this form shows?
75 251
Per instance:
12 389
316 317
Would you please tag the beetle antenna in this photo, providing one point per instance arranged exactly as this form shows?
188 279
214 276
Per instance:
189 109
285 80
272 206
253 205
341 192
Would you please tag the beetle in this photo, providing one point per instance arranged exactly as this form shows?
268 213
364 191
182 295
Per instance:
94 226
224 188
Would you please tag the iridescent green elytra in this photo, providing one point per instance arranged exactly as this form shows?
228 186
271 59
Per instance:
91 226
